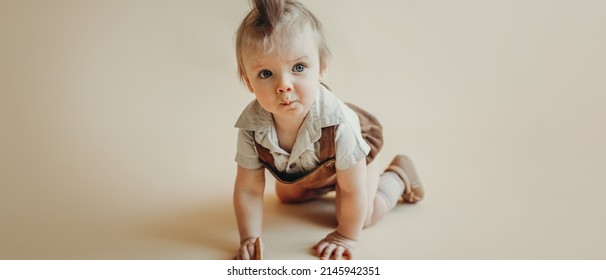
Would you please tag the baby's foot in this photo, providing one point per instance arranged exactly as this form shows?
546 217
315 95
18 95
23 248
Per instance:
413 189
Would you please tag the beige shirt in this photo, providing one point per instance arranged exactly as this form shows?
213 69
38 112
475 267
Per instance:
327 110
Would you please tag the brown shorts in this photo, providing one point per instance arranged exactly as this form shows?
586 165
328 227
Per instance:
372 131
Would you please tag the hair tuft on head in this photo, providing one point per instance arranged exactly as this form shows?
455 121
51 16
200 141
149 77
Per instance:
269 14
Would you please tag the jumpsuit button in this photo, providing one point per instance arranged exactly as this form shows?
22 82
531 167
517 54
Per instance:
293 165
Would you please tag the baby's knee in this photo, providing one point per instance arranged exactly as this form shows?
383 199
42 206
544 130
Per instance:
287 199
292 196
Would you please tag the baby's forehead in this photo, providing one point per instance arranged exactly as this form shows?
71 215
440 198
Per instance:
288 49
257 59
275 54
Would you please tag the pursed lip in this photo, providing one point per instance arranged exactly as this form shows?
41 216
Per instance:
288 103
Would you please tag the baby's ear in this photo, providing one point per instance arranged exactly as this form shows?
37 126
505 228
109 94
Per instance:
323 72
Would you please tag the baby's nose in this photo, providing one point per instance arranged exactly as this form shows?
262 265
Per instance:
285 85
284 89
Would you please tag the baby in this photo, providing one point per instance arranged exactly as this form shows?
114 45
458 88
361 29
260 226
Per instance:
311 142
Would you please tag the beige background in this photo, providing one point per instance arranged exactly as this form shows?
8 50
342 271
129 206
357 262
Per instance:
117 138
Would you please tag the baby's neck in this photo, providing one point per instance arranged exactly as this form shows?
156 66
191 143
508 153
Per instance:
287 130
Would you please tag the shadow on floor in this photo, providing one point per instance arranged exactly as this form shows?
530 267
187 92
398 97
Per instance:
210 227
320 211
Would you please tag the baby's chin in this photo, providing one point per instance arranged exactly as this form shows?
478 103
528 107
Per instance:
295 109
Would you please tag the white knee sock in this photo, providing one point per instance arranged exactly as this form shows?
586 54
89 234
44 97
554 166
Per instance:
390 188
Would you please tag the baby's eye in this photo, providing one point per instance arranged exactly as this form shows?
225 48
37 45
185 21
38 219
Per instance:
298 68
264 74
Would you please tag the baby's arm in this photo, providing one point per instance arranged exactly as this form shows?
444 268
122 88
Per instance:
352 209
248 205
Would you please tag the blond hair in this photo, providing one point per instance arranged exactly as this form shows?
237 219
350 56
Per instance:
269 22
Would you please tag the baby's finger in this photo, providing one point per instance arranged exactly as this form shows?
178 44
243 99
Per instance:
328 251
347 254
339 252
251 250
319 243
246 252
320 247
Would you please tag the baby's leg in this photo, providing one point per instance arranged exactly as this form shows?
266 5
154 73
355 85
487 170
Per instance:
377 205
390 188
400 180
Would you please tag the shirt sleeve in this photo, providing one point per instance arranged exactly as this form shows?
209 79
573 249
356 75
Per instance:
351 147
246 155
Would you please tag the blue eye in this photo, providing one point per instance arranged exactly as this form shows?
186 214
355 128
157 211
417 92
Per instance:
298 68
264 74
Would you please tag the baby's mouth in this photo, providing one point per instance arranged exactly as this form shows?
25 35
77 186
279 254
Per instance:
288 98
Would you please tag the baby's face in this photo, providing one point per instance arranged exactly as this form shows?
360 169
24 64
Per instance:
286 80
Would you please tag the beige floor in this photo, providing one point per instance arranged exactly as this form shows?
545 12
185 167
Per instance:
117 138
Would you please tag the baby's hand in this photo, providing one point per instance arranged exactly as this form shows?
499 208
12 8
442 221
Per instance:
335 246
248 250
